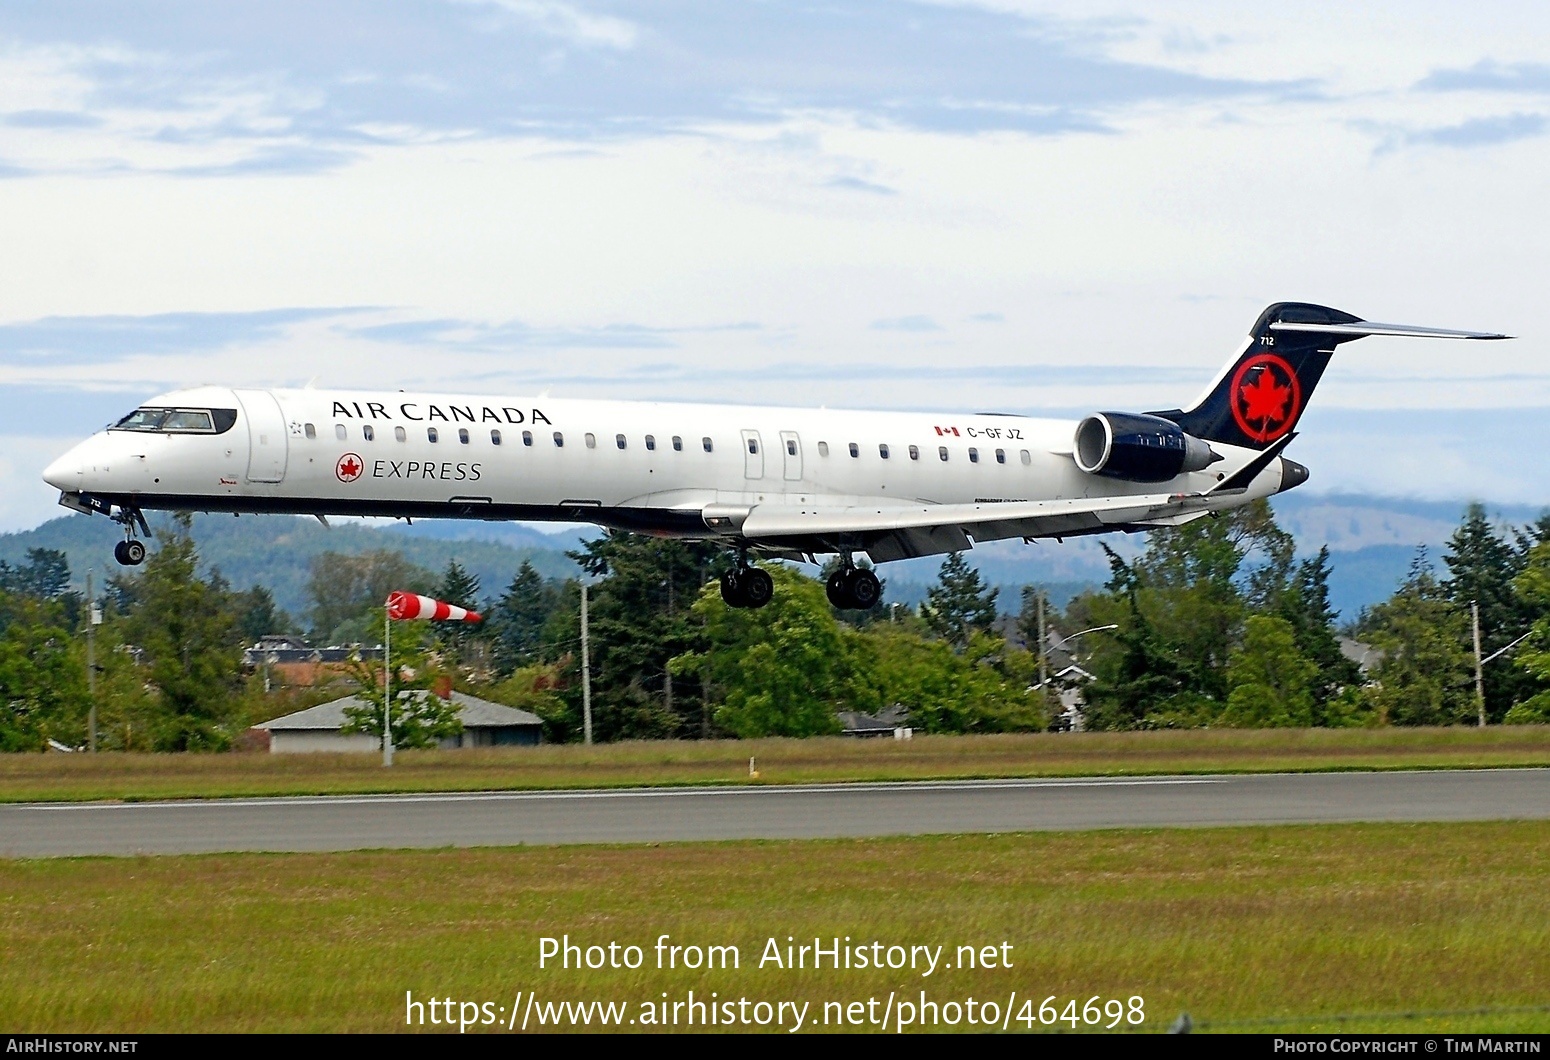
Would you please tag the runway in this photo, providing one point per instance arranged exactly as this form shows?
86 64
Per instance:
775 812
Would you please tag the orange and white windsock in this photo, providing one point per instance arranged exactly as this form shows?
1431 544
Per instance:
403 606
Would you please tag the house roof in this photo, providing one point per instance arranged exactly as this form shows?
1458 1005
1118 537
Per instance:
475 714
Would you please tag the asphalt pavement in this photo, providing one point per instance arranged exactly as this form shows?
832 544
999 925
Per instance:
806 811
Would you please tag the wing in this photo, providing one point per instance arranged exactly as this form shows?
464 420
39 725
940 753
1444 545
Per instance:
887 532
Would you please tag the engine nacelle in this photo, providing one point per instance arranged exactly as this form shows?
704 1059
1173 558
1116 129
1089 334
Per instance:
1138 448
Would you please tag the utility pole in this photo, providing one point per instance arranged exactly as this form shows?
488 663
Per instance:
1474 617
586 674
1043 644
387 686
667 671
93 619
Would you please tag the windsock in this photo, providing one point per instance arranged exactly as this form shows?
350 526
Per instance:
403 606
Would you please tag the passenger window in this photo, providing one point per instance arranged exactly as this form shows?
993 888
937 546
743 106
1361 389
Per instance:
941 451
432 435
753 445
651 443
882 451
1026 458
706 443
400 434
462 435
369 433
855 450
619 440
591 440
559 440
823 448
527 438
914 452
791 447
312 432
678 444
1000 456
495 437
339 431
974 455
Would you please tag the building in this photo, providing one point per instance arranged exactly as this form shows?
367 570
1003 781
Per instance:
288 660
318 728
890 721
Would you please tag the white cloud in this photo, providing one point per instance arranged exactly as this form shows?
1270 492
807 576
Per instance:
568 22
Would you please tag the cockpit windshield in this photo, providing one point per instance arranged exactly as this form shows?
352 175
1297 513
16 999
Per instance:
178 421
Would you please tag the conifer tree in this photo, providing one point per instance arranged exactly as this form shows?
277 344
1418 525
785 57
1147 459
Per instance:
1482 565
960 603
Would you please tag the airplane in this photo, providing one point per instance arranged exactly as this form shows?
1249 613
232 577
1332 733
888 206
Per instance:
775 482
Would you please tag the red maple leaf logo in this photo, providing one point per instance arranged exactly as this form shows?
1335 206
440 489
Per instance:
1266 398
349 468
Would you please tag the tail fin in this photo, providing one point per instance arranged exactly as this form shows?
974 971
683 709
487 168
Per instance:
1258 398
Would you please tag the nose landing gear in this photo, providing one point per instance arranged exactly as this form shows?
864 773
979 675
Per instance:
130 551
853 588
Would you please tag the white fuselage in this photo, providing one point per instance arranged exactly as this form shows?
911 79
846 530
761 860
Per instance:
650 466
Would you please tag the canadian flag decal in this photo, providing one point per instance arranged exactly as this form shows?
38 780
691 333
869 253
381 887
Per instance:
947 430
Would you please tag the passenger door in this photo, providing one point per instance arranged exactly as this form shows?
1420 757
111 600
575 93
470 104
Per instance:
791 447
753 455
268 441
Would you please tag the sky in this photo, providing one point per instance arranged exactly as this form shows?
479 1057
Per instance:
1012 205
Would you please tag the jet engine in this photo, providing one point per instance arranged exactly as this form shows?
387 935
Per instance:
1138 448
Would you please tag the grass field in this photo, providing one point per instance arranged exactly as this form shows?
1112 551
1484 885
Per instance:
144 776
1295 926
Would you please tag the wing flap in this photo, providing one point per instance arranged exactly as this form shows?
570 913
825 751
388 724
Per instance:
983 522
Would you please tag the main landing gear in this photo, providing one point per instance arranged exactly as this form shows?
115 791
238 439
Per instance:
745 586
853 588
130 551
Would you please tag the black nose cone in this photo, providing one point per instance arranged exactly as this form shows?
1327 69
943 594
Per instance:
1293 474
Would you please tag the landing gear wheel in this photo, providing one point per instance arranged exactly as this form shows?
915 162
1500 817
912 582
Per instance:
854 589
747 587
732 588
130 553
865 589
758 587
838 590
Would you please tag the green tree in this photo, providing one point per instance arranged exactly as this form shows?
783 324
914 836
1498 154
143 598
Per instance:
1304 605
348 592
45 575
640 618
258 615
518 618
960 603
1424 677
1143 680
984 688
1533 589
1482 565
461 589
419 718
537 688
1271 682
189 633
42 676
781 670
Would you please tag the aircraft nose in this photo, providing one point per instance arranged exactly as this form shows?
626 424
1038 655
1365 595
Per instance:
65 473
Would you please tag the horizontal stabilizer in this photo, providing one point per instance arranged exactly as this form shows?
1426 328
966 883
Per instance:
1369 327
